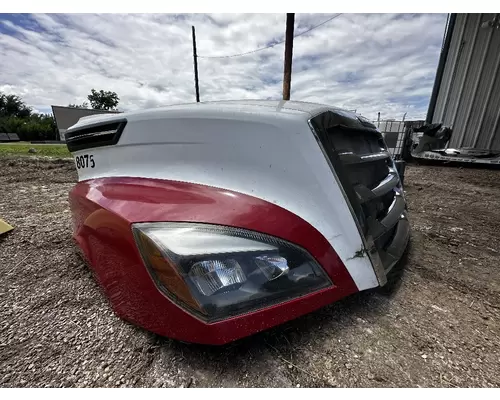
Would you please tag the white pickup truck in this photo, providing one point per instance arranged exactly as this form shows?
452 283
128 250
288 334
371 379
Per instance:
209 222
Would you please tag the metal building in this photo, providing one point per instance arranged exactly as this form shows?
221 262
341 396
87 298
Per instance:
466 93
68 116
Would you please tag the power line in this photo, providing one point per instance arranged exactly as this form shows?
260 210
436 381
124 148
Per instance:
274 44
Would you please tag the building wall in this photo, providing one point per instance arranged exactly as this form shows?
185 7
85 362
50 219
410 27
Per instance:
68 116
469 97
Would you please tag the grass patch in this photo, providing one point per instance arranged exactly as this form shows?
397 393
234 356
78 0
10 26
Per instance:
47 150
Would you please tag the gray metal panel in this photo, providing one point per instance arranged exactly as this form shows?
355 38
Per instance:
469 96
490 127
450 68
461 69
484 90
479 49
68 116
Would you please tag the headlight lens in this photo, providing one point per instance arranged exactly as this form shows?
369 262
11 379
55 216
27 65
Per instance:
210 276
216 272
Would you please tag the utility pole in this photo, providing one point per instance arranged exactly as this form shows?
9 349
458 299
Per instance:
195 58
287 77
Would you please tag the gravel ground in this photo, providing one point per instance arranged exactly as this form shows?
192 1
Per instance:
439 327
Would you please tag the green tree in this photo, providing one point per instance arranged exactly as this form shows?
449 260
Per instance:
17 117
103 100
83 105
13 106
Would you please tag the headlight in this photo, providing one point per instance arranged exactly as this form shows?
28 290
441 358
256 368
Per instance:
216 272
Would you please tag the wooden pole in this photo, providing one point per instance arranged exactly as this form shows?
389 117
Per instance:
287 77
195 59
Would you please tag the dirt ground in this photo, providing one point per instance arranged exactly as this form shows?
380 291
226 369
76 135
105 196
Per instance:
440 327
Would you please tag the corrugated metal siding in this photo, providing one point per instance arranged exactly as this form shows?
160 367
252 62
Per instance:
469 96
449 69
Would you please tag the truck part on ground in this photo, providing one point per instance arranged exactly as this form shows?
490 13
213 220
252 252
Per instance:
209 222
5 227
431 142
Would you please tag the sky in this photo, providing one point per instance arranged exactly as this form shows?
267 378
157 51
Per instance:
365 62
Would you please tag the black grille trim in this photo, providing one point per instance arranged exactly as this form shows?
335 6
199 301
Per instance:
95 135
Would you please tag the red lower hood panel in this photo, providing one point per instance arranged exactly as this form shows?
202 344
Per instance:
104 209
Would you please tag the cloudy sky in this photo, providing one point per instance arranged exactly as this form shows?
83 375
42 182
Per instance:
369 62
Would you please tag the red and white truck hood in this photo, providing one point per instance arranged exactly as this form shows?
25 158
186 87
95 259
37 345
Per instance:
266 150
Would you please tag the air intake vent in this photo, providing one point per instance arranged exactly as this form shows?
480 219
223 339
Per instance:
96 135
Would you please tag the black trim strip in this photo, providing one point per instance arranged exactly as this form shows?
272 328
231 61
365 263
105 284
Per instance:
95 135
364 128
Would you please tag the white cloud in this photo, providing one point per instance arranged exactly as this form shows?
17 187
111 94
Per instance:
368 62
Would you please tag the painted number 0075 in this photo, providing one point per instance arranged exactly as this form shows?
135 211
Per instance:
85 161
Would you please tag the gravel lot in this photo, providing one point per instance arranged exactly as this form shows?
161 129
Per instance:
440 327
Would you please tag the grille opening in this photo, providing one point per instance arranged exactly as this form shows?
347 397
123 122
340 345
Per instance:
357 142
365 169
97 135
368 174
384 241
362 163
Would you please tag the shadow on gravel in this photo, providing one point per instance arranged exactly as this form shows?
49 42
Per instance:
6 235
453 164
282 340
